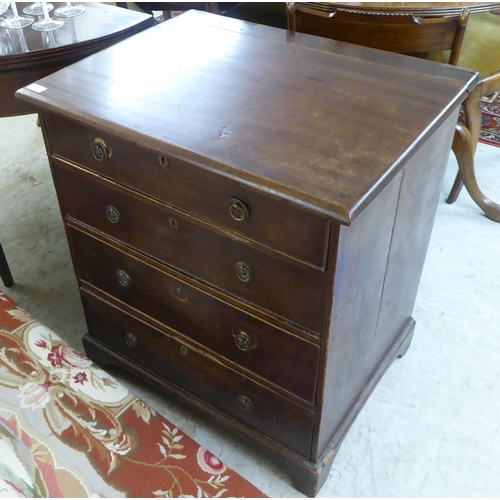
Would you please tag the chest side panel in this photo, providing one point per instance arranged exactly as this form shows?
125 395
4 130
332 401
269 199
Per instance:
363 250
380 262
421 185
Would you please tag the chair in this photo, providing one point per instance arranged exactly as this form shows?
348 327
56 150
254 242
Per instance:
402 33
268 13
5 273
480 51
464 147
436 38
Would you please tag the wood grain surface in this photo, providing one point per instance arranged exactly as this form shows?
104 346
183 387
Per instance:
364 120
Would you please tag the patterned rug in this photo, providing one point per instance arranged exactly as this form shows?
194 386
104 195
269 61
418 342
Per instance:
68 429
490 126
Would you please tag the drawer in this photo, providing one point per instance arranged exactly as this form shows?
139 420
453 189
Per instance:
277 224
286 422
292 292
281 358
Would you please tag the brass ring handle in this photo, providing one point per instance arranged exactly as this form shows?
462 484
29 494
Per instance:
243 341
123 278
113 214
130 339
179 292
244 272
238 209
246 403
100 151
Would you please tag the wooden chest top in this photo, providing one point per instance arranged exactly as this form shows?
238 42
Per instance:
326 129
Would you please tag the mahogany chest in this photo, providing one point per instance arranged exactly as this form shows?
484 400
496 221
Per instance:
248 213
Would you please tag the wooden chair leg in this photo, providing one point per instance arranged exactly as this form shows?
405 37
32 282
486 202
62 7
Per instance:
455 190
212 7
5 273
463 147
472 115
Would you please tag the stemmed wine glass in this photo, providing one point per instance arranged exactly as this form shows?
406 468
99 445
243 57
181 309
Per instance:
69 10
35 9
16 21
47 23
3 7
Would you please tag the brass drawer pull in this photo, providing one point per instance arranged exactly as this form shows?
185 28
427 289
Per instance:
244 272
243 341
100 150
130 339
113 214
246 403
123 278
179 292
238 209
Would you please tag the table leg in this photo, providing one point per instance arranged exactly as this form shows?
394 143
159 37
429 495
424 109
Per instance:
472 115
5 273
463 147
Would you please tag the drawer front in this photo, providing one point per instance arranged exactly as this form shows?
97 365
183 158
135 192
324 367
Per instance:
197 191
291 292
281 358
286 422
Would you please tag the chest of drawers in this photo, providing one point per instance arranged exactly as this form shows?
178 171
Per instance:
248 220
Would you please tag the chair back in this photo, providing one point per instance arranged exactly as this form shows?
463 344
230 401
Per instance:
402 33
